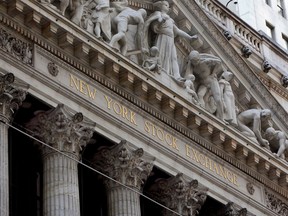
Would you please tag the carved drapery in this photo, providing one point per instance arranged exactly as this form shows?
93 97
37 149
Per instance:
185 198
129 167
10 99
65 132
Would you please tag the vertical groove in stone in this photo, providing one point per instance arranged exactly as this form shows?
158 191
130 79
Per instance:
4 172
123 202
61 195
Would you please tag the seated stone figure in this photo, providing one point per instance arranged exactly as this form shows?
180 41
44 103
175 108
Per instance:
278 141
254 117
152 61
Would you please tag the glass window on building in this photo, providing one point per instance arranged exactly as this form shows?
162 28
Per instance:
285 39
281 8
270 30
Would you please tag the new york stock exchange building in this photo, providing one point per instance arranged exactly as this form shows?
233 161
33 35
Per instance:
139 107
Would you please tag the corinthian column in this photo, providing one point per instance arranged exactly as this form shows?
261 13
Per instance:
66 133
10 100
129 167
185 198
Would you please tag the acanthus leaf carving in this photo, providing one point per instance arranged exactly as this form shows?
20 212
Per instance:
181 196
124 164
60 129
276 204
10 97
17 48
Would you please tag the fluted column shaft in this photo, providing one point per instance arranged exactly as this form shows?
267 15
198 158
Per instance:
60 185
4 172
123 202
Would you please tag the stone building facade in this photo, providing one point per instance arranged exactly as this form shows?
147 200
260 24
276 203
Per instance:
135 107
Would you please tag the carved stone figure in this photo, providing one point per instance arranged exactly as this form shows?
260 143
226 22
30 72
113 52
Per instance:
189 87
126 16
205 68
152 62
278 141
101 18
284 81
246 51
228 98
86 22
163 25
254 117
266 66
79 6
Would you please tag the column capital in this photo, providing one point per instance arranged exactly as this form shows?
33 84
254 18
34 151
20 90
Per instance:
231 210
179 195
10 97
125 164
61 129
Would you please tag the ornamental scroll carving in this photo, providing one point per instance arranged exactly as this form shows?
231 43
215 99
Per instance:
275 204
181 196
61 130
124 164
15 47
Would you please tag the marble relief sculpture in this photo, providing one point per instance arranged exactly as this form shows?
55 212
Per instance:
100 17
164 27
190 88
152 61
126 16
228 97
205 67
278 141
254 117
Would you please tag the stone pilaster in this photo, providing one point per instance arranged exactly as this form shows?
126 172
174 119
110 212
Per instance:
129 167
66 133
185 198
10 99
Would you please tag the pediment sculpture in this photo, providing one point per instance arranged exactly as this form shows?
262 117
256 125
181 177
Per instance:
148 39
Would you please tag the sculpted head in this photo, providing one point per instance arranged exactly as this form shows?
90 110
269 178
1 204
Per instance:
154 51
194 57
269 133
161 6
227 75
266 113
190 77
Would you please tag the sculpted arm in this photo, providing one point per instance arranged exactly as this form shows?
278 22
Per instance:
257 130
181 33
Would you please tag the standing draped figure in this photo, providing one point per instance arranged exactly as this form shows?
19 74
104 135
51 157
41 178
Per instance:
164 26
